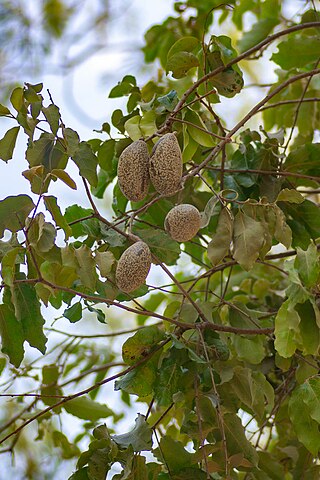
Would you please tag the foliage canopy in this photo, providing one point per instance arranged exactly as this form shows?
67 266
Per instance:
224 357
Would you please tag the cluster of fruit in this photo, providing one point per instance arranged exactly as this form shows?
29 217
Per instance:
163 168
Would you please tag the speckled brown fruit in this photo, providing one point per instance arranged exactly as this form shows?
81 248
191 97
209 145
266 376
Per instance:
182 222
133 267
133 171
166 165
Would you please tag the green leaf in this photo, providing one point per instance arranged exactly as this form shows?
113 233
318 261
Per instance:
144 126
302 406
17 100
106 154
100 314
286 330
290 195
121 90
119 202
252 389
74 214
39 151
236 438
52 114
52 206
160 244
57 274
28 313
41 234
141 344
180 63
250 349
311 397
68 449
229 82
132 126
259 31
248 240
307 265
184 44
81 474
4 111
13 212
139 381
87 409
7 143
220 242
72 140
307 214
173 454
198 135
64 177
8 265
171 376
167 102
306 50
87 163
148 123
105 261
309 330
50 374
73 313
30 94
12 336
282 231
140 437
86 267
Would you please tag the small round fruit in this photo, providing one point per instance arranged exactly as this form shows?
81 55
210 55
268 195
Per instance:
133 171
133 267
166 165
183 222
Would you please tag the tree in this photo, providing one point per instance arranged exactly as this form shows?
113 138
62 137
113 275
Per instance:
221 368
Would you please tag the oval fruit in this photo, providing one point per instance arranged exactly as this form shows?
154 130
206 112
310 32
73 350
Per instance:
133 171
166 165
133 267
183 222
